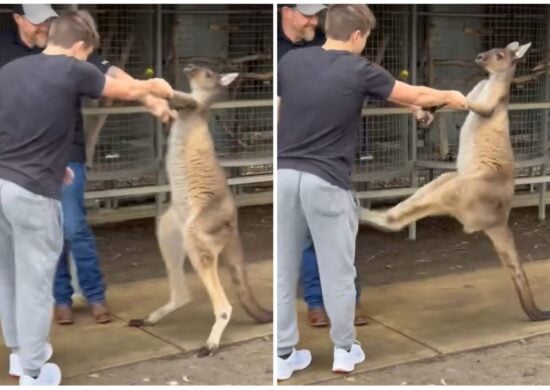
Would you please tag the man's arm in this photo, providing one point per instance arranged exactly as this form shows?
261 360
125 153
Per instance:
131 89
157 106
406 94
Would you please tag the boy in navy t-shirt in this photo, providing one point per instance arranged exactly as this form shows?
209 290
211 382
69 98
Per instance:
321 93
39 100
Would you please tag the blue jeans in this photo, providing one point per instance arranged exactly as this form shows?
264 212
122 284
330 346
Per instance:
78 240
313 294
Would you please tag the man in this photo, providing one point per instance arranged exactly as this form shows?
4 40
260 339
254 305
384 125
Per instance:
321 93
30 37
39 98
298 28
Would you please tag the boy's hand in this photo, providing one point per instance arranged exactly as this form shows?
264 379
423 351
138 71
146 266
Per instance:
161 88
68 177
159 108
456 100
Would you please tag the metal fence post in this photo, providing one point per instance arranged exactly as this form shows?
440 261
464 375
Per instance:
414 134
542 193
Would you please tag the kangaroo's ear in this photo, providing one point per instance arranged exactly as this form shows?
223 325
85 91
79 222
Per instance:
522 50
228 78
513 46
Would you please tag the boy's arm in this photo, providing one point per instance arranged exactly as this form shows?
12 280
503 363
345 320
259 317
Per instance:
137 90
405 94
157 106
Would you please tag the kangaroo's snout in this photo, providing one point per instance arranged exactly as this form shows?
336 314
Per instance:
480 58
190 70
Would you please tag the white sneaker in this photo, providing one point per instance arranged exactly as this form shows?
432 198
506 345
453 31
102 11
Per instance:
15 367
345 361
50 375
298 360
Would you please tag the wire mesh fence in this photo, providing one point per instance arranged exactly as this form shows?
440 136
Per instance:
451 37
383 140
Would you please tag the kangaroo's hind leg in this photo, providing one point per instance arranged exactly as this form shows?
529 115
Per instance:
503 241
427 200
204 251
170 240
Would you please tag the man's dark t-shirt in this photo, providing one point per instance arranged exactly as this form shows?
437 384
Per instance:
322 93
39 102
284 45
12 47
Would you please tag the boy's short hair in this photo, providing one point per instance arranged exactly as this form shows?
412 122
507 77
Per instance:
72 27
343 19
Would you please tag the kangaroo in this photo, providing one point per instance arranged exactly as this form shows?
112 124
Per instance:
479 194
202 218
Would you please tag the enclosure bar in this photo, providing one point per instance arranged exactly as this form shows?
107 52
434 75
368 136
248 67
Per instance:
187 11
414 129
157 189
401 110
542 197
476 15
160 197
450 166
140 109
127 213
406 191
219 10
268 103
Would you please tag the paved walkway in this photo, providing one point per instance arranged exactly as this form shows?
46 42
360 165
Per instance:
86 347
426 318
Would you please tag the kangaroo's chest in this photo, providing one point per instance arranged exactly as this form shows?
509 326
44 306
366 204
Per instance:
194 173
485 140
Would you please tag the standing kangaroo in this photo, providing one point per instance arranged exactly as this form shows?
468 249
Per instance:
479 194
202 218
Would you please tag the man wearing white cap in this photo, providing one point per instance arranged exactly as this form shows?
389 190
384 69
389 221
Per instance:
298 27
31 36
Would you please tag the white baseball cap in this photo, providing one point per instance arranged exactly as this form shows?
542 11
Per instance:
309 9
35 13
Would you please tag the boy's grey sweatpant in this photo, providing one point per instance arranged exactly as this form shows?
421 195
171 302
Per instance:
31 239
308 204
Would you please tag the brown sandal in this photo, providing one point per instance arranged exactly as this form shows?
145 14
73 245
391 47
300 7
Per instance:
100 312
63 315
360 319
317 318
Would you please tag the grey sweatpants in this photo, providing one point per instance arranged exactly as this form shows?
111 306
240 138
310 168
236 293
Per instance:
31 239
307 204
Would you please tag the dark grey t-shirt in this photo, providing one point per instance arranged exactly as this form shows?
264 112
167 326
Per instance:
322 93
12 48
39 102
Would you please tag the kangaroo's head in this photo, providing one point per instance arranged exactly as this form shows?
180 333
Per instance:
502 61
205 83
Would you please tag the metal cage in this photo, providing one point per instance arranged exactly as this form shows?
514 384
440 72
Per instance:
435 45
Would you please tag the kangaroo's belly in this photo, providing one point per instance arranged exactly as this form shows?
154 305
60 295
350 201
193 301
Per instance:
196 178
